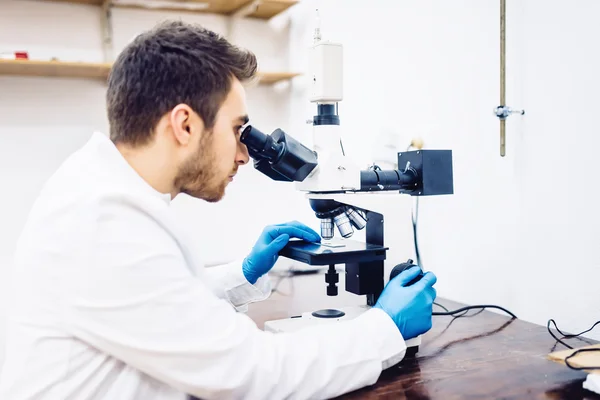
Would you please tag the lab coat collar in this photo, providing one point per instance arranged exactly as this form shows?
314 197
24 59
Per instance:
107 149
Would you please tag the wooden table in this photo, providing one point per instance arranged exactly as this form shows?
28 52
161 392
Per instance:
486 355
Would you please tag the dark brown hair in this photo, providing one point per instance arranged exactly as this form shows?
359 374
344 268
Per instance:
173 63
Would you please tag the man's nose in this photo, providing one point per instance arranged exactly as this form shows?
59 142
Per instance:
242 156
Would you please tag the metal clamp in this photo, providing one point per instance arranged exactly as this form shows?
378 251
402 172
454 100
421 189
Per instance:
504 112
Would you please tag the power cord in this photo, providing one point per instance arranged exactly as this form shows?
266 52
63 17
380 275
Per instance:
467 308
576 352
565 335
281 275
415 217
461 312
287 274
579 352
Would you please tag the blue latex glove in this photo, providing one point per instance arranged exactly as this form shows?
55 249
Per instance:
265 252
410 307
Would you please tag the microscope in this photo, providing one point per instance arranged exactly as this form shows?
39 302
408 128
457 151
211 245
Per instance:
343 195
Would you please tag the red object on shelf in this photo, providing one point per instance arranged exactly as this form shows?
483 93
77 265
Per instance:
14 55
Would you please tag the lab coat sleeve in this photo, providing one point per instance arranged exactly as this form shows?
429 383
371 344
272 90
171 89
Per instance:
131 296
235 288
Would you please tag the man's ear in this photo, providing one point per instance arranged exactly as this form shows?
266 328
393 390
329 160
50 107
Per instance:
184 122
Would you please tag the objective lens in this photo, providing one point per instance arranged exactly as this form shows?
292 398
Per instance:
356 218
326 228
343 224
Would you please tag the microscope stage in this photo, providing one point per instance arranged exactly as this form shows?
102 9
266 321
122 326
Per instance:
338 252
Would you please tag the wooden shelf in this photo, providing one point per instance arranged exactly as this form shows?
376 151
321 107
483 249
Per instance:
93 70
89 2
54 69
264 9
274 77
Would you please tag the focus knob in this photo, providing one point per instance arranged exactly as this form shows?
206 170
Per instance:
404 266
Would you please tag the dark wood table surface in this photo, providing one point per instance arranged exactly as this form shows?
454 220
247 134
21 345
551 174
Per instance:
483 356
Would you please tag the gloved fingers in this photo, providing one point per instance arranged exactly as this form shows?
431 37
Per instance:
407 275
289 223
431 295
278 244
301 226
295 232
427 281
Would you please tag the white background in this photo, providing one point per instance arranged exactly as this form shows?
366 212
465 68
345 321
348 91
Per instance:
520 231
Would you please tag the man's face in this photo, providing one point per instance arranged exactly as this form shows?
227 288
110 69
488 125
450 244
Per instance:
218 154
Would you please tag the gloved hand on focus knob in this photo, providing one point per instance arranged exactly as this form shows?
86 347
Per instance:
273 239
410 307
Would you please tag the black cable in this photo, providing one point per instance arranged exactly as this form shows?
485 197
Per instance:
415 218
458 315
579 352
288 274
463 310
567 336
552 334
475 307
570 336
276 287
283 275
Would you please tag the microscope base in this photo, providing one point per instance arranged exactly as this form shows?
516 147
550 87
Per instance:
308 319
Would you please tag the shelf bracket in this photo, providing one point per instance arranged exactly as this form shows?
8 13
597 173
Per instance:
238 14
246 9
107 31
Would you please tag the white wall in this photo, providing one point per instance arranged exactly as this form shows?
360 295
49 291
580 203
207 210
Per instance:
519 231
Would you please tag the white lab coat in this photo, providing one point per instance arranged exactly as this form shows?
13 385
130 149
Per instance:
111 301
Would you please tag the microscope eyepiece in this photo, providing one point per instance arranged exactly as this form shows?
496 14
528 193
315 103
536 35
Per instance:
261 146
278 155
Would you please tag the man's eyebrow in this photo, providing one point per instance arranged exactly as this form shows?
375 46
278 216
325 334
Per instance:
243 119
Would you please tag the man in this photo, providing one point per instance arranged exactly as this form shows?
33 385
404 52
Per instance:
112 300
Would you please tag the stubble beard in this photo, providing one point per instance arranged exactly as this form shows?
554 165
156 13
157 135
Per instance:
197 176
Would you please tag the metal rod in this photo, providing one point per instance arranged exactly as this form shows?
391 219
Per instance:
502 137
502 74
